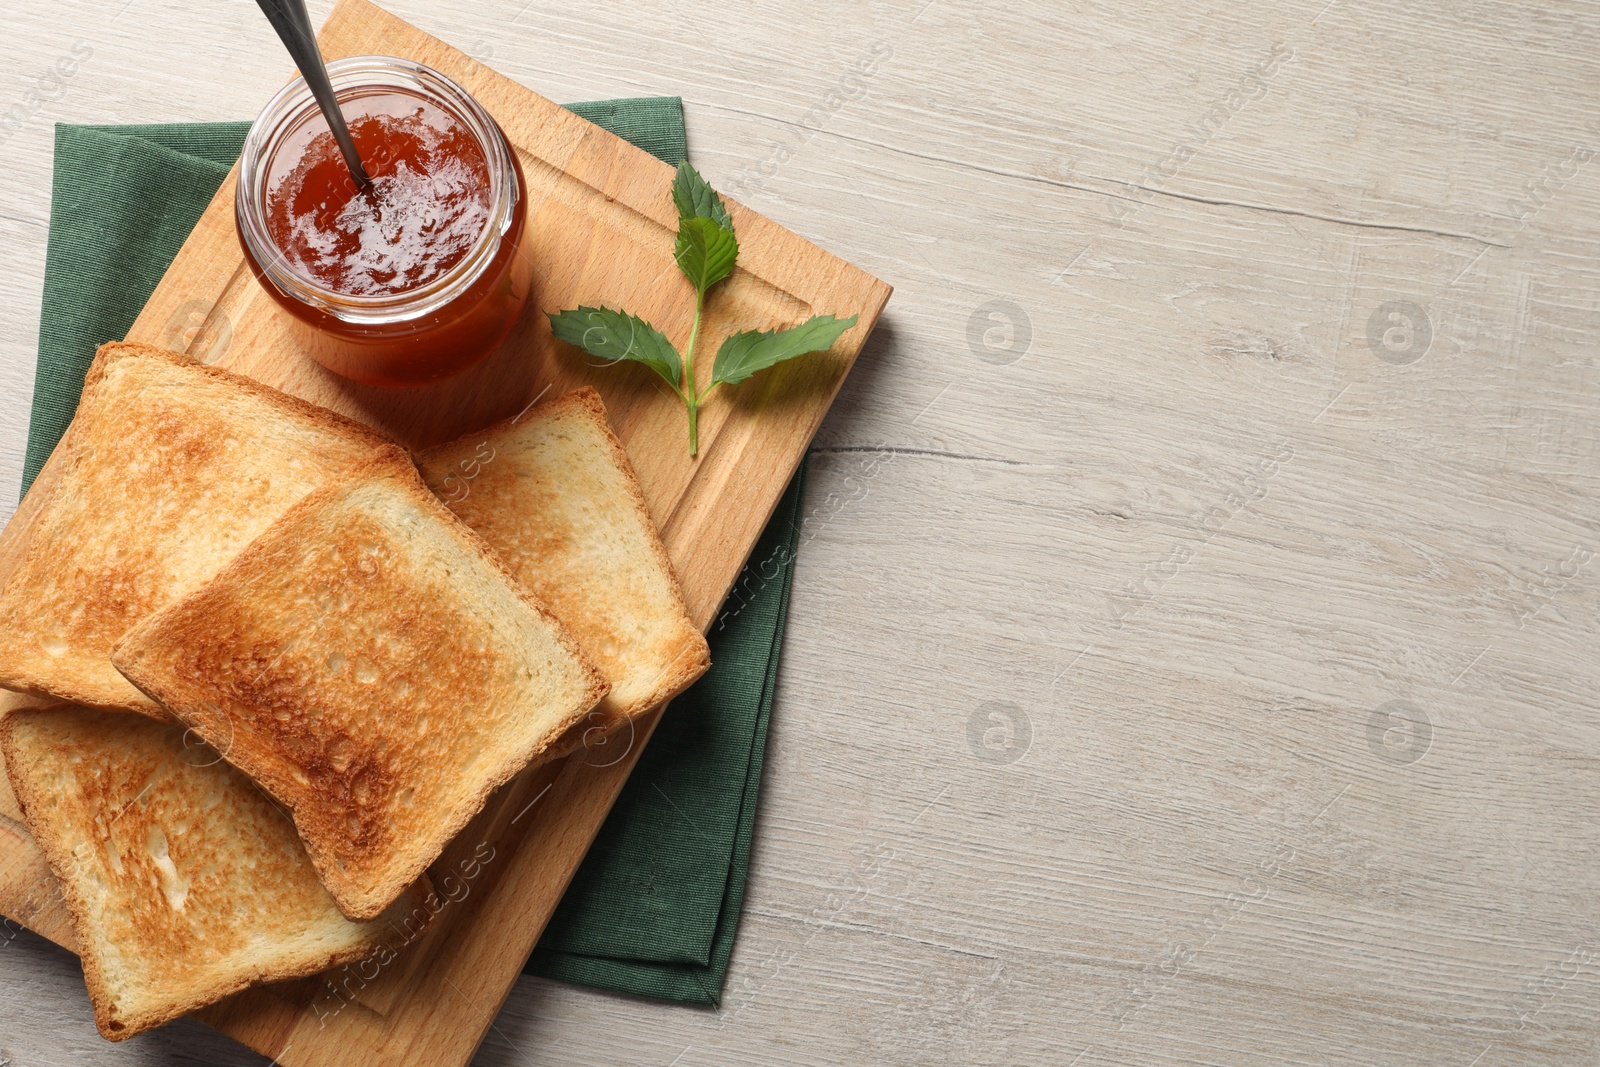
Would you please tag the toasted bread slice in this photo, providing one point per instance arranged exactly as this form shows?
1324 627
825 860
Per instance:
170 468
371 665
184 882
553 494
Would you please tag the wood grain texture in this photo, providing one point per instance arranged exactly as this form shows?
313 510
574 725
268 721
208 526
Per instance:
1124 890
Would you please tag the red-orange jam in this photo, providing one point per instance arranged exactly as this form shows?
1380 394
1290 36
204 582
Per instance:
419 275
426 207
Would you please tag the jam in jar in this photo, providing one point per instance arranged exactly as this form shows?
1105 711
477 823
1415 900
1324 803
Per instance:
415 277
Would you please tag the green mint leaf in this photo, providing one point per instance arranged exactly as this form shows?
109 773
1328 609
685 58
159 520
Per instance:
696 199
745 353
616 335
705 252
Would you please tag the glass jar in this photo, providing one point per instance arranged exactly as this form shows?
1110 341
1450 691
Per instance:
414 327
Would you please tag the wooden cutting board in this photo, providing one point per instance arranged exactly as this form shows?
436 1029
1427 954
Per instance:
600 227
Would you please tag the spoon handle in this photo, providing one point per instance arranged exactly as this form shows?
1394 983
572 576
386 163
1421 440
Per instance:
289 18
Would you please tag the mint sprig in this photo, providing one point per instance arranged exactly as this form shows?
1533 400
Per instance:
705 251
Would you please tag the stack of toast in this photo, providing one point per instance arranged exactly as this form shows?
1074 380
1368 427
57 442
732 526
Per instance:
285 667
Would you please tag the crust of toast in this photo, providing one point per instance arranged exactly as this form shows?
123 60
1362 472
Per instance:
523 486
375 668
171 467
184 883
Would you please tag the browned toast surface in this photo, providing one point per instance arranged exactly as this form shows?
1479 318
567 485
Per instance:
373 667
552 492
170 468
185 883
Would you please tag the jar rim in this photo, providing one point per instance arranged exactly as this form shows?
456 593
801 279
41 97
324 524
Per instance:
288 112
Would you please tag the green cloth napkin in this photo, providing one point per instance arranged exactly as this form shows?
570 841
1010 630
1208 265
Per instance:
654 908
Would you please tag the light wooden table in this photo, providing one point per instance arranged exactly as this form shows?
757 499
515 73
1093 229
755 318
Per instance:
1193 656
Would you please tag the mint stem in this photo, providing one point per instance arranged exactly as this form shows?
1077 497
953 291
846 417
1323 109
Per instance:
690 395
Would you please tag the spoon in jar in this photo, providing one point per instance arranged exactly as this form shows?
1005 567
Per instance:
289 18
